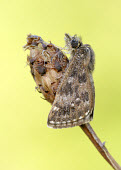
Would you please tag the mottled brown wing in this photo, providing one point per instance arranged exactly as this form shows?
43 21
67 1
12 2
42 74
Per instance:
74 101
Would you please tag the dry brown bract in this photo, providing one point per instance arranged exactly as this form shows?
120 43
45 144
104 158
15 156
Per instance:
47 63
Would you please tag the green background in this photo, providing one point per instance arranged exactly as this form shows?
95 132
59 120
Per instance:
26 143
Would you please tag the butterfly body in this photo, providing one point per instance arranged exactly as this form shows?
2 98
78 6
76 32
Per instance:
75 97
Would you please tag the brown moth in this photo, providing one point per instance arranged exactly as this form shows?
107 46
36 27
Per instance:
75 96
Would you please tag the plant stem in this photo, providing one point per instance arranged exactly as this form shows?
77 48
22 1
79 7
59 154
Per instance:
88 130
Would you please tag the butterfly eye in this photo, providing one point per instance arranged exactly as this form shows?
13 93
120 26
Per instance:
74 43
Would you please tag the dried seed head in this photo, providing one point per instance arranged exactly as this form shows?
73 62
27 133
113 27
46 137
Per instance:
47 63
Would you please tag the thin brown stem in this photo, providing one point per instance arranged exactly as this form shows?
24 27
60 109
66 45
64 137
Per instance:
88 130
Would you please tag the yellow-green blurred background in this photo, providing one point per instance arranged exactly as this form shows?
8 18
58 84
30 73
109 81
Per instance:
26 143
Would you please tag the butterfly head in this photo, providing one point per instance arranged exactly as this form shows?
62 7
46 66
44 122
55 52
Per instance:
72 42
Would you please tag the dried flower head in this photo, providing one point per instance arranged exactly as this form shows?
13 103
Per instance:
47 63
